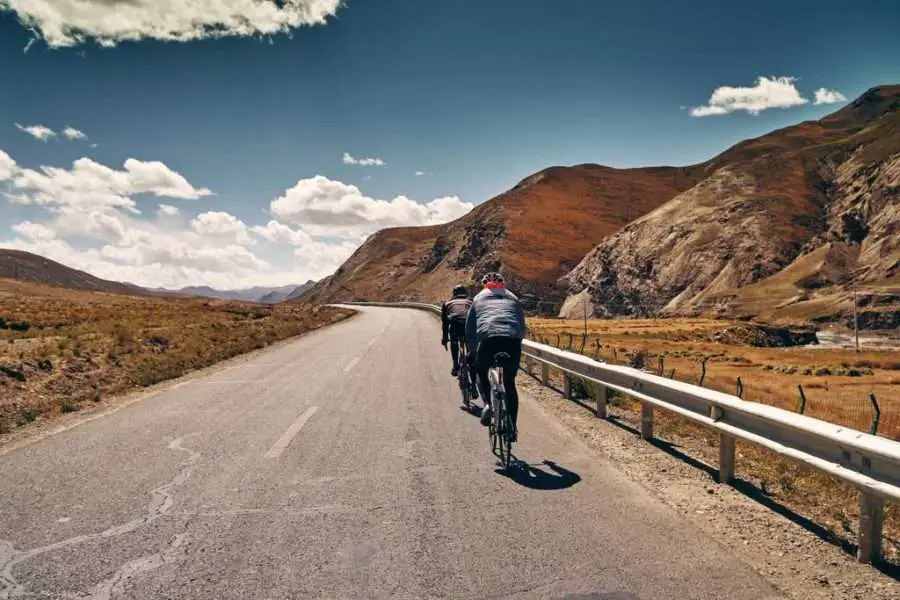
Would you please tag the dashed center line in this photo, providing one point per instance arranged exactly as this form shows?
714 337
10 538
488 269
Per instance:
352 364
285 440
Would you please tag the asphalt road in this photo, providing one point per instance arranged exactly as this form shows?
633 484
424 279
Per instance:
338 466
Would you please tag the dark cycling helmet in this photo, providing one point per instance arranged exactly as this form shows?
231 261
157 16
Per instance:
492 278
460 290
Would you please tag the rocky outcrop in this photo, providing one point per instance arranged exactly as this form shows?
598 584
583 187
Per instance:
777 230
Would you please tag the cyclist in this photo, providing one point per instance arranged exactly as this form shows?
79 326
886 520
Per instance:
496 323
453 327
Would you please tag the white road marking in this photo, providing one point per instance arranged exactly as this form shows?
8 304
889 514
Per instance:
352 364
372 342
285 440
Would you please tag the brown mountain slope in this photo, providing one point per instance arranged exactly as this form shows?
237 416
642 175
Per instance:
778 230
24 266
535 233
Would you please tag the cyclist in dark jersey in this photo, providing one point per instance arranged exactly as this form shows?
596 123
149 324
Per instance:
453 325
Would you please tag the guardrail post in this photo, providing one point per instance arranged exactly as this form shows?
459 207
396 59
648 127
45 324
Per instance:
567 386
646 421
726 458
871 522
545 374
602 401
726 449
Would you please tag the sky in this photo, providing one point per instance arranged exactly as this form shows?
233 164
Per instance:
253 142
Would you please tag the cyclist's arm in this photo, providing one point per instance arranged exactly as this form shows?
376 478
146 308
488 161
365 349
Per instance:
445 322
520 315
471 329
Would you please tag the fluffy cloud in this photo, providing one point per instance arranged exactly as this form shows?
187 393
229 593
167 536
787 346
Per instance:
34 232
338 208
90 222
775 92
279 233
38 132
167 210
221 224
93 185
826 96
74 134
108 22
362 162
7 166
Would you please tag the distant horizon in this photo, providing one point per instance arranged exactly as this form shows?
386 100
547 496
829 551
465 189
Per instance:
188 152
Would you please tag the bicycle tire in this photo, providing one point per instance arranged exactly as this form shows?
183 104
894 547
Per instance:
464 386
504 429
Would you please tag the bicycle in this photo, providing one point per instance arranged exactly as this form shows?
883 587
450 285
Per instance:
501 426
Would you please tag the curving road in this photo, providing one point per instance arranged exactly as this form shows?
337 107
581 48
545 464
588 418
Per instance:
338 466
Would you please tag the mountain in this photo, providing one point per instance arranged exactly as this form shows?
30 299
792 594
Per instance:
780 228
266 295
535 233
284 295
25 266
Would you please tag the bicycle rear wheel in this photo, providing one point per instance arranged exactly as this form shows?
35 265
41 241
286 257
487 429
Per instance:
464 384
504 431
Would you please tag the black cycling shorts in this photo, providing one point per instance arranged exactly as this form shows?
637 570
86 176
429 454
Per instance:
457 330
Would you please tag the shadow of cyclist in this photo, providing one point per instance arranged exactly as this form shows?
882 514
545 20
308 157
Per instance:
530 476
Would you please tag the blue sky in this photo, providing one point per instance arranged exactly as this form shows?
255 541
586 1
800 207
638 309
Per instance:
475 94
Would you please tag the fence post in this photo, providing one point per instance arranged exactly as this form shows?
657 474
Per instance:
871 523
646 421
876 414
545 374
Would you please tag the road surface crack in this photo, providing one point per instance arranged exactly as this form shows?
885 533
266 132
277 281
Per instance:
162 500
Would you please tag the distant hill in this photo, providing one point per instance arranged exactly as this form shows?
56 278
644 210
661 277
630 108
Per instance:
265 295
25 266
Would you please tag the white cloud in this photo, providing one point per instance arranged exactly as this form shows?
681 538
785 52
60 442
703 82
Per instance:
279 233
34 232
108 22
74 134
93 185
38 132
826 96
774 92
221 224
420 173
7 166
167 210
333 206
89 221
362 162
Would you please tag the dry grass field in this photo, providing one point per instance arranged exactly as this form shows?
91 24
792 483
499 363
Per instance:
837 383
62 348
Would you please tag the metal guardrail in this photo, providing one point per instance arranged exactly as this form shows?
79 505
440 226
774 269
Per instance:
867 462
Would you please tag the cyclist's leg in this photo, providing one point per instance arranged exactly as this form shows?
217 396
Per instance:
513 347
456 334
482 364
